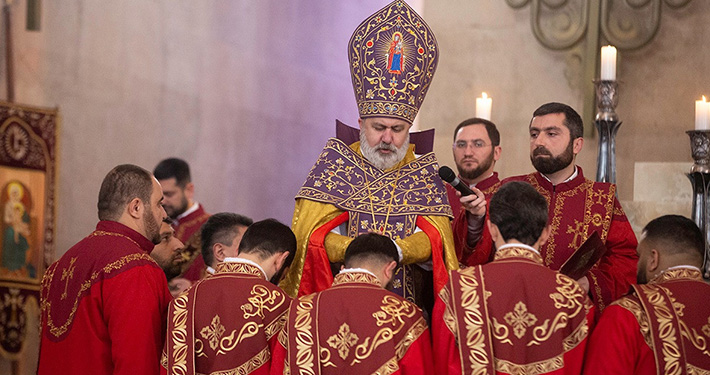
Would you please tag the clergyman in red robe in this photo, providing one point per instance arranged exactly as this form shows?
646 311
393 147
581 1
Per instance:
663 325
228 323
188 217
356 326
104 301
476 149
513 315
578 206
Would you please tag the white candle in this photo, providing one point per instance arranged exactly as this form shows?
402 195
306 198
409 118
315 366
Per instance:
608 63
702 114
483 106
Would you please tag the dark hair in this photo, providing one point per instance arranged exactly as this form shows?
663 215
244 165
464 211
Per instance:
675 234
519 212
573 121
370 247
220 228
491 129
268 237
120 186
173 168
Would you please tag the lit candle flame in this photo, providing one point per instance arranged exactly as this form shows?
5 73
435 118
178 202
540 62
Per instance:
484 95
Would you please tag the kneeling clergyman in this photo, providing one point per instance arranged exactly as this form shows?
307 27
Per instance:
229 323
513 315
356 326
663 325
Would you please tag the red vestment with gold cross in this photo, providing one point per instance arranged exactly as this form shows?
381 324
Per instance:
662 327
483 251
576 209
355 327
103 306
226 323
187 230
511 316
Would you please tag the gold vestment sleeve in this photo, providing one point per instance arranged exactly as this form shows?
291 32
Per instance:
335 246
308 216
415 248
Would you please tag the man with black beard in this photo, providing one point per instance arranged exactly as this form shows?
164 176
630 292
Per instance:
664 322
578 206
378 184
188 217
476 149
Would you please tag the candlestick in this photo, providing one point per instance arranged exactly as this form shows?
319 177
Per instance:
607 124
483 106
700 179
608 67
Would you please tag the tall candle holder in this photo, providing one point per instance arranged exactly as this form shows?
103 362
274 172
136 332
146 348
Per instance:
607 124
700 179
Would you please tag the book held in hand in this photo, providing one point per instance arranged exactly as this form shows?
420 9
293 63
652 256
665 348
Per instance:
584 258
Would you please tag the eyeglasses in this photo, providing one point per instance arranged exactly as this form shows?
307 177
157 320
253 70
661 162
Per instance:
476 144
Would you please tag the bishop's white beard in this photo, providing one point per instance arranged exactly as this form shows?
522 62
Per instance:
380 160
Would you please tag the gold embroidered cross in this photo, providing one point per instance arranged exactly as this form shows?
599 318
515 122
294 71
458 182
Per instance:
343 340
598 195
520 319
213 332
67 275
578 232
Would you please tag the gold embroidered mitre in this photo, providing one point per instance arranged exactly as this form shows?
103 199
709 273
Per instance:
393 56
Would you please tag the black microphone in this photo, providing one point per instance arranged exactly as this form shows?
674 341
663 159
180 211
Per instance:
449 176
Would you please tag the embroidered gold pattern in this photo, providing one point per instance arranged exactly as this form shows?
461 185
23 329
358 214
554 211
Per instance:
589 222
356 277
67 275
213 332
520 319
692 370
227 344
179 336
392 313
472 304
344 185
569 298
238 267
670 348
389 368
706 328
305 357
635 308
678 273
449 315
518 252
411 336
262 299
46 305
249 366
542 367
343 340
276 326
501 332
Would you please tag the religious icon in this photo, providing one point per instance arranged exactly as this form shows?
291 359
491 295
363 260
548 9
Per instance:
16 229
395 55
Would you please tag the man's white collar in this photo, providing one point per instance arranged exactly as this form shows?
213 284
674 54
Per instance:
570 178
347 270
190 210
